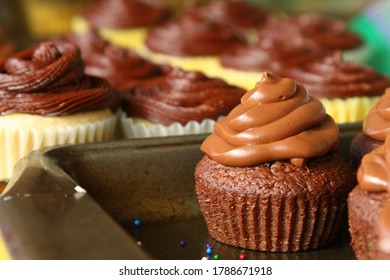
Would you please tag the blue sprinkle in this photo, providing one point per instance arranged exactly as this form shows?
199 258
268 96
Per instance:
182 243
137 223
209 251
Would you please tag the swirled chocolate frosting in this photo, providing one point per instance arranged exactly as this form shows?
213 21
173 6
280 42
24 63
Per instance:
374 171
377 121
193 35
123 68
124 14
332 77
181 96
277 120
235 13
49 80
329 33
271 55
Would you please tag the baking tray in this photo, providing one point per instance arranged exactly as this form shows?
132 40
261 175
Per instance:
80 201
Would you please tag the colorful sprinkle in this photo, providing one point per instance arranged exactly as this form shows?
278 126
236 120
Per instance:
216 257
182 243
137 223
139 243
209 251
208 245
204 259
242 257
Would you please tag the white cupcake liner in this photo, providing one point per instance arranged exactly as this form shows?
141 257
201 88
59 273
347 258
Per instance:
17 142
139 129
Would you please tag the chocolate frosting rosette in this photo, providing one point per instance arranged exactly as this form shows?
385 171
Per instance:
270 179
193 42
122 22
347 90
369 205
244 64
177 103
123 68
328 33
46 99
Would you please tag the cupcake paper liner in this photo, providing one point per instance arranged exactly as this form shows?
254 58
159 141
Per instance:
17 142
276 224
138 128
349 110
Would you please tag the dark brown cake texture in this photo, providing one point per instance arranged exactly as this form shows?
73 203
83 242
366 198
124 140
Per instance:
364 209
274 206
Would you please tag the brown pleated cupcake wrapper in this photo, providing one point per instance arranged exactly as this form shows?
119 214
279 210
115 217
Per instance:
280 224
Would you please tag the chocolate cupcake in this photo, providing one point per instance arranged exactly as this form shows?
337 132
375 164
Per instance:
368 205
123 68
270 179
328 33
192 42
375 127
347 90
243 65
177 103
46 99
236 13
121 22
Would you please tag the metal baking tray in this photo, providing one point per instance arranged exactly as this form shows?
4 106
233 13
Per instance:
80 201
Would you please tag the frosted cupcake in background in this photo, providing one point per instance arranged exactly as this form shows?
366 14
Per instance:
123 68
192 42
177 103
237 14
46 99
243 66
329 33
347 90
122 22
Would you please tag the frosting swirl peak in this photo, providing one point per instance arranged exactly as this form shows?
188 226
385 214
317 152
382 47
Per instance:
276 120
377 121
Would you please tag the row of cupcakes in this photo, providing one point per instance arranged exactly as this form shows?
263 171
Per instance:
58 93
275 150
236 41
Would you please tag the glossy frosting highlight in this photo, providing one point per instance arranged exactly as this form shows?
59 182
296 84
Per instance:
49 80
277 120
377 121
182 96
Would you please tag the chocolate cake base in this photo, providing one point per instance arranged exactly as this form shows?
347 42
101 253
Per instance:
364 209
275 206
